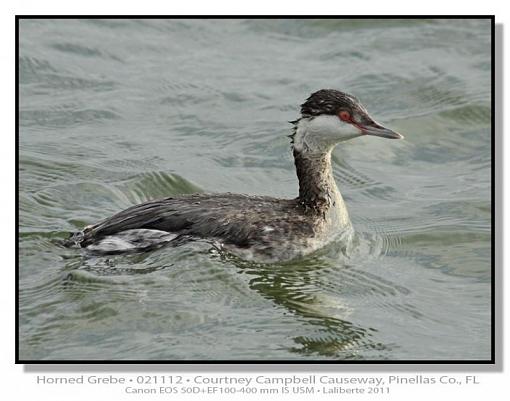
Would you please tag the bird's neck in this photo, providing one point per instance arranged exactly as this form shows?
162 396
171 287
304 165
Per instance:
318 191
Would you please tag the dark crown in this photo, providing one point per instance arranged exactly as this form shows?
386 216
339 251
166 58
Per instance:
328 101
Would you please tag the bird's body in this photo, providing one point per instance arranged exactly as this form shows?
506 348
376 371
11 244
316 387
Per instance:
254 227
262 228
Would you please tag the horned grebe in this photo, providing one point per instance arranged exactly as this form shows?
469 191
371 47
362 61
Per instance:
262 228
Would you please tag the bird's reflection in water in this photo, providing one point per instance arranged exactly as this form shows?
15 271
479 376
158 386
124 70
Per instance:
299 287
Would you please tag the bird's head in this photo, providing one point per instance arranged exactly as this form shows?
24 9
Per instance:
329 116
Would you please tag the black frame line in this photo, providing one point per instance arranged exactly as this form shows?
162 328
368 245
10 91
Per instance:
268 361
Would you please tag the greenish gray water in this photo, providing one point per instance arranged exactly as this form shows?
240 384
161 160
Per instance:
115 112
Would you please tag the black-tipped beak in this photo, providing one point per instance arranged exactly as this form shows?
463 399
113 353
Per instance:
376 129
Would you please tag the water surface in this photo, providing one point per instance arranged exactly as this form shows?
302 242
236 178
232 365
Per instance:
116 112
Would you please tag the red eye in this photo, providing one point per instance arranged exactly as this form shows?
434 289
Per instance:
344 115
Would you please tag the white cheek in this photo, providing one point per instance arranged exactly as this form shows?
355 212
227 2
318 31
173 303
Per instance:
331 127
321 133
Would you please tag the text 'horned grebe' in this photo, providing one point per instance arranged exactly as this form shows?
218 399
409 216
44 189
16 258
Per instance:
261 228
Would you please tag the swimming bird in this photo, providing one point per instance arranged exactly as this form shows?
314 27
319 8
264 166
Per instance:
260 228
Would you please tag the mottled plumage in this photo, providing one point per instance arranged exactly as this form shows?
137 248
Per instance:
233 220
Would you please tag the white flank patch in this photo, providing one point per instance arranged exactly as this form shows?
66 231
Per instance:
131 240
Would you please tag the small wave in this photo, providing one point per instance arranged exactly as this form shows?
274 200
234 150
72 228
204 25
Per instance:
41 72
81 50
64 118
153 185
